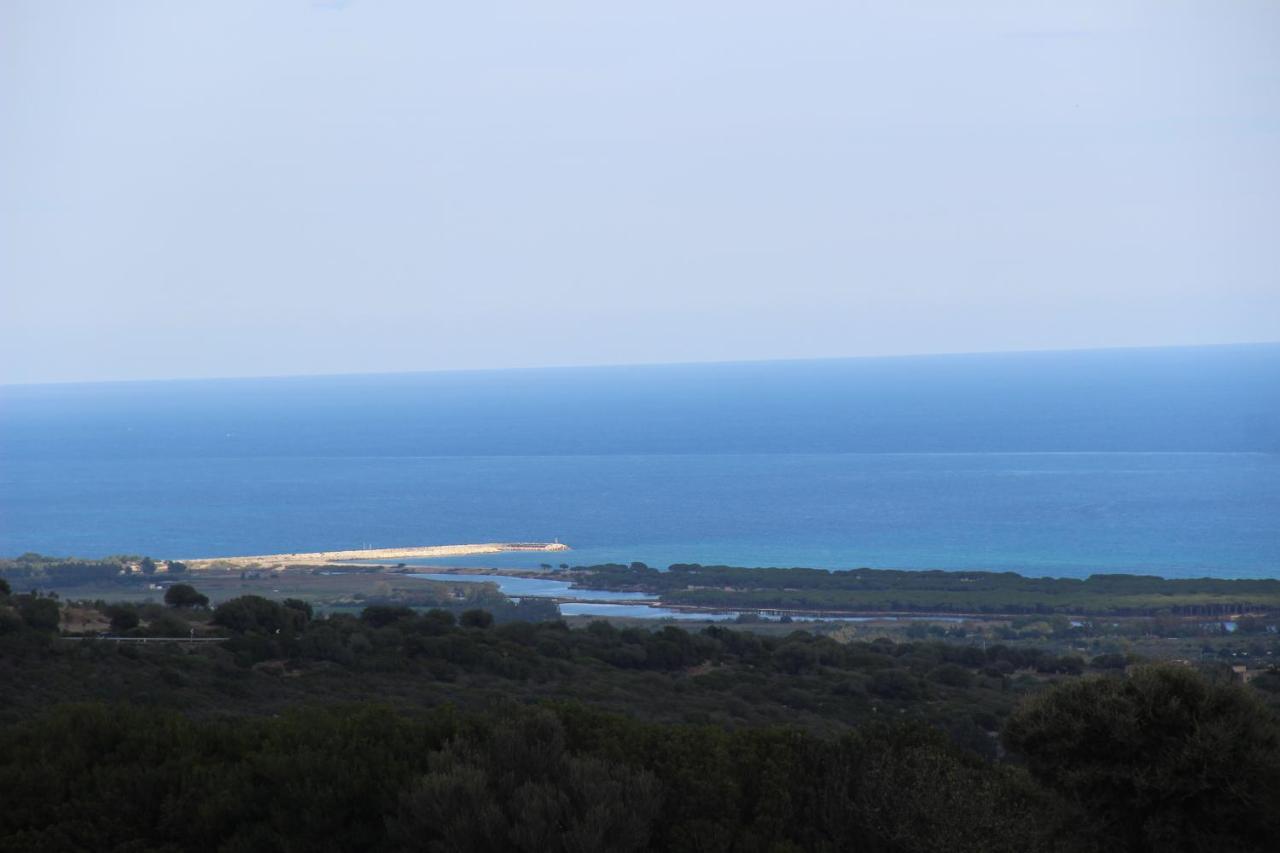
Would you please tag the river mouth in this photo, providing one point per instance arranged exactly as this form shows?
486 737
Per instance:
578 601
524 587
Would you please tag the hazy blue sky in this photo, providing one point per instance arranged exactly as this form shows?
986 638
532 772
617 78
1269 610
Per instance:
237 188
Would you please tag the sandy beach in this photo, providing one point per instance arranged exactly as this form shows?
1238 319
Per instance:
370 555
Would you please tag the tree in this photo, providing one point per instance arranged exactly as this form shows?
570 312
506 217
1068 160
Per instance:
169 625
176 568
476 619
1161 760
524 790
920 790
438 619
122 618
184 595
147 565
952 675
39 613
5 589
382 615
299 605
255 613
10 622
70 573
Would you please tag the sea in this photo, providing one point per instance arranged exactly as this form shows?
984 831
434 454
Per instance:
1151 461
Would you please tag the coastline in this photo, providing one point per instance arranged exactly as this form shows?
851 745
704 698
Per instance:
370 555
898 594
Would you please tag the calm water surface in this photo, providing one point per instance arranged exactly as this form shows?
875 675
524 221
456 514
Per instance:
1156 461
537 587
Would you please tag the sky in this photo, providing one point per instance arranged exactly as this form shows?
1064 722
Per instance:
314 186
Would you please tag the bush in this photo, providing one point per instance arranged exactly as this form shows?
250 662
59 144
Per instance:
896 684
1161 760
123 618
952 675
10 622
255 613
476 619
303 607
169 625
438 619
523 790
42 614
382 615
184 595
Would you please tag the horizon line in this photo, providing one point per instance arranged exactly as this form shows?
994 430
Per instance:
619 365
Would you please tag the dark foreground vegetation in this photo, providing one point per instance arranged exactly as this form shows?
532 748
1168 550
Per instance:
872 590
405 729
1199 772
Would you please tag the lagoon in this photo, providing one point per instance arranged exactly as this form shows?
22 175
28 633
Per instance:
517 587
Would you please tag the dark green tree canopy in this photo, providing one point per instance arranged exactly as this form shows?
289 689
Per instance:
476 619
381 615
299 605
184 595
40 613
1160 760
255 613
168 624
123 617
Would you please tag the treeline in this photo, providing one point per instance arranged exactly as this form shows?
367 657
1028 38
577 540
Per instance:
1162 760
535 736
62 573
32 570
538 780
935 591
276 653
391 636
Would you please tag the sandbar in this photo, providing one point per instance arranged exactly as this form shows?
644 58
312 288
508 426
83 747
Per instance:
370 554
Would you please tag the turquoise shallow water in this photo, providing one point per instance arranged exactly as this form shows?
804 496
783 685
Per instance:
1164 461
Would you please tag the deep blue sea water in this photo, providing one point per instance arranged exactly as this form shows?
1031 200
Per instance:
1156 461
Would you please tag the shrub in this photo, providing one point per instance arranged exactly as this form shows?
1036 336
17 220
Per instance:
896 684
123 618
10 622
184 595
169 625
382 615
41 614
952 675
476 619
1161 760
255 613
299 605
